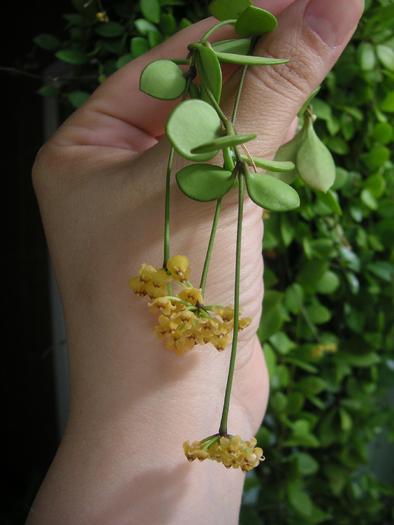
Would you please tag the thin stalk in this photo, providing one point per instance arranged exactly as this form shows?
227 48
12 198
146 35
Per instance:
167 209
218 109
227 395
241 84
211 243
214 28
238 95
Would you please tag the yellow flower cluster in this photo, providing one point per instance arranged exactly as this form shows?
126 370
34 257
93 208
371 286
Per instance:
325 348
101 16
232 451
183 319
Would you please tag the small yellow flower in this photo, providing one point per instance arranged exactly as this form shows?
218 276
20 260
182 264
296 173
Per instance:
220 342
178 266
101 16
191 295
178 342
160 277
147 272
227 313
244 323
323 349
162 305
137 286
195 451
155 291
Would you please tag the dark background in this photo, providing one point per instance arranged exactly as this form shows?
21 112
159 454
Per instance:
27 389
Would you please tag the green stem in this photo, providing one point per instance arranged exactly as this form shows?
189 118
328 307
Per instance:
241 84
167 209
226 404
218 109
208 256
217 26
238 95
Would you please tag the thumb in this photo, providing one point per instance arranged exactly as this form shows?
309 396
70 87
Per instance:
312 34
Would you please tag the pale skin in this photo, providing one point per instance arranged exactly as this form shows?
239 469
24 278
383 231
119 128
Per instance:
100 186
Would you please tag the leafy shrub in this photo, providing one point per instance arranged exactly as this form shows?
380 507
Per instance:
328 324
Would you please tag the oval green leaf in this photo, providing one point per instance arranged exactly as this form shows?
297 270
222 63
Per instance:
330 199
240 46
151 10
47 41
271 165
288 153
191 124
204 182
163 79
314 162
210 71
249 60
271 193
226 10
227 141
110 29
138 46
72 56
255 22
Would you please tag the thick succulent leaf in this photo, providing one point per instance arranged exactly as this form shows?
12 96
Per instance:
163 79
314 162
228 9
271 193
191 124
255 22
288 153
208 66
270 165
240 46
249 60
204 182
224 142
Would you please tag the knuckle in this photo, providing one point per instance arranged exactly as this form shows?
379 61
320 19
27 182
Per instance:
293 80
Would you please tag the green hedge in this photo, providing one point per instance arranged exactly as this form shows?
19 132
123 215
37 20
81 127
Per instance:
328 324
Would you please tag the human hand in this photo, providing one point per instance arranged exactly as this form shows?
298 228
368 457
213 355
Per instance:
100 184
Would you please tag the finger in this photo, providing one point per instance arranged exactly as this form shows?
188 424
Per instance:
119 114
312 34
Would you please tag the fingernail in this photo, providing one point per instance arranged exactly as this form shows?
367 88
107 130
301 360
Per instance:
333 20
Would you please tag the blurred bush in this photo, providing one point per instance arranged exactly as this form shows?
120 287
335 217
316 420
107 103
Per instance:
328 324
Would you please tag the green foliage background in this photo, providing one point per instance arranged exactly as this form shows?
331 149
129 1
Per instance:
328 324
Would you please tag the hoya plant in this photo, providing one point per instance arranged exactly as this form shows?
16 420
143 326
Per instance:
198 130
328 309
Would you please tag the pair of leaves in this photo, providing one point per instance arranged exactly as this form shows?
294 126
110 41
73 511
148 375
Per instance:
194 129
204 182
208 61
250 20
313 160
